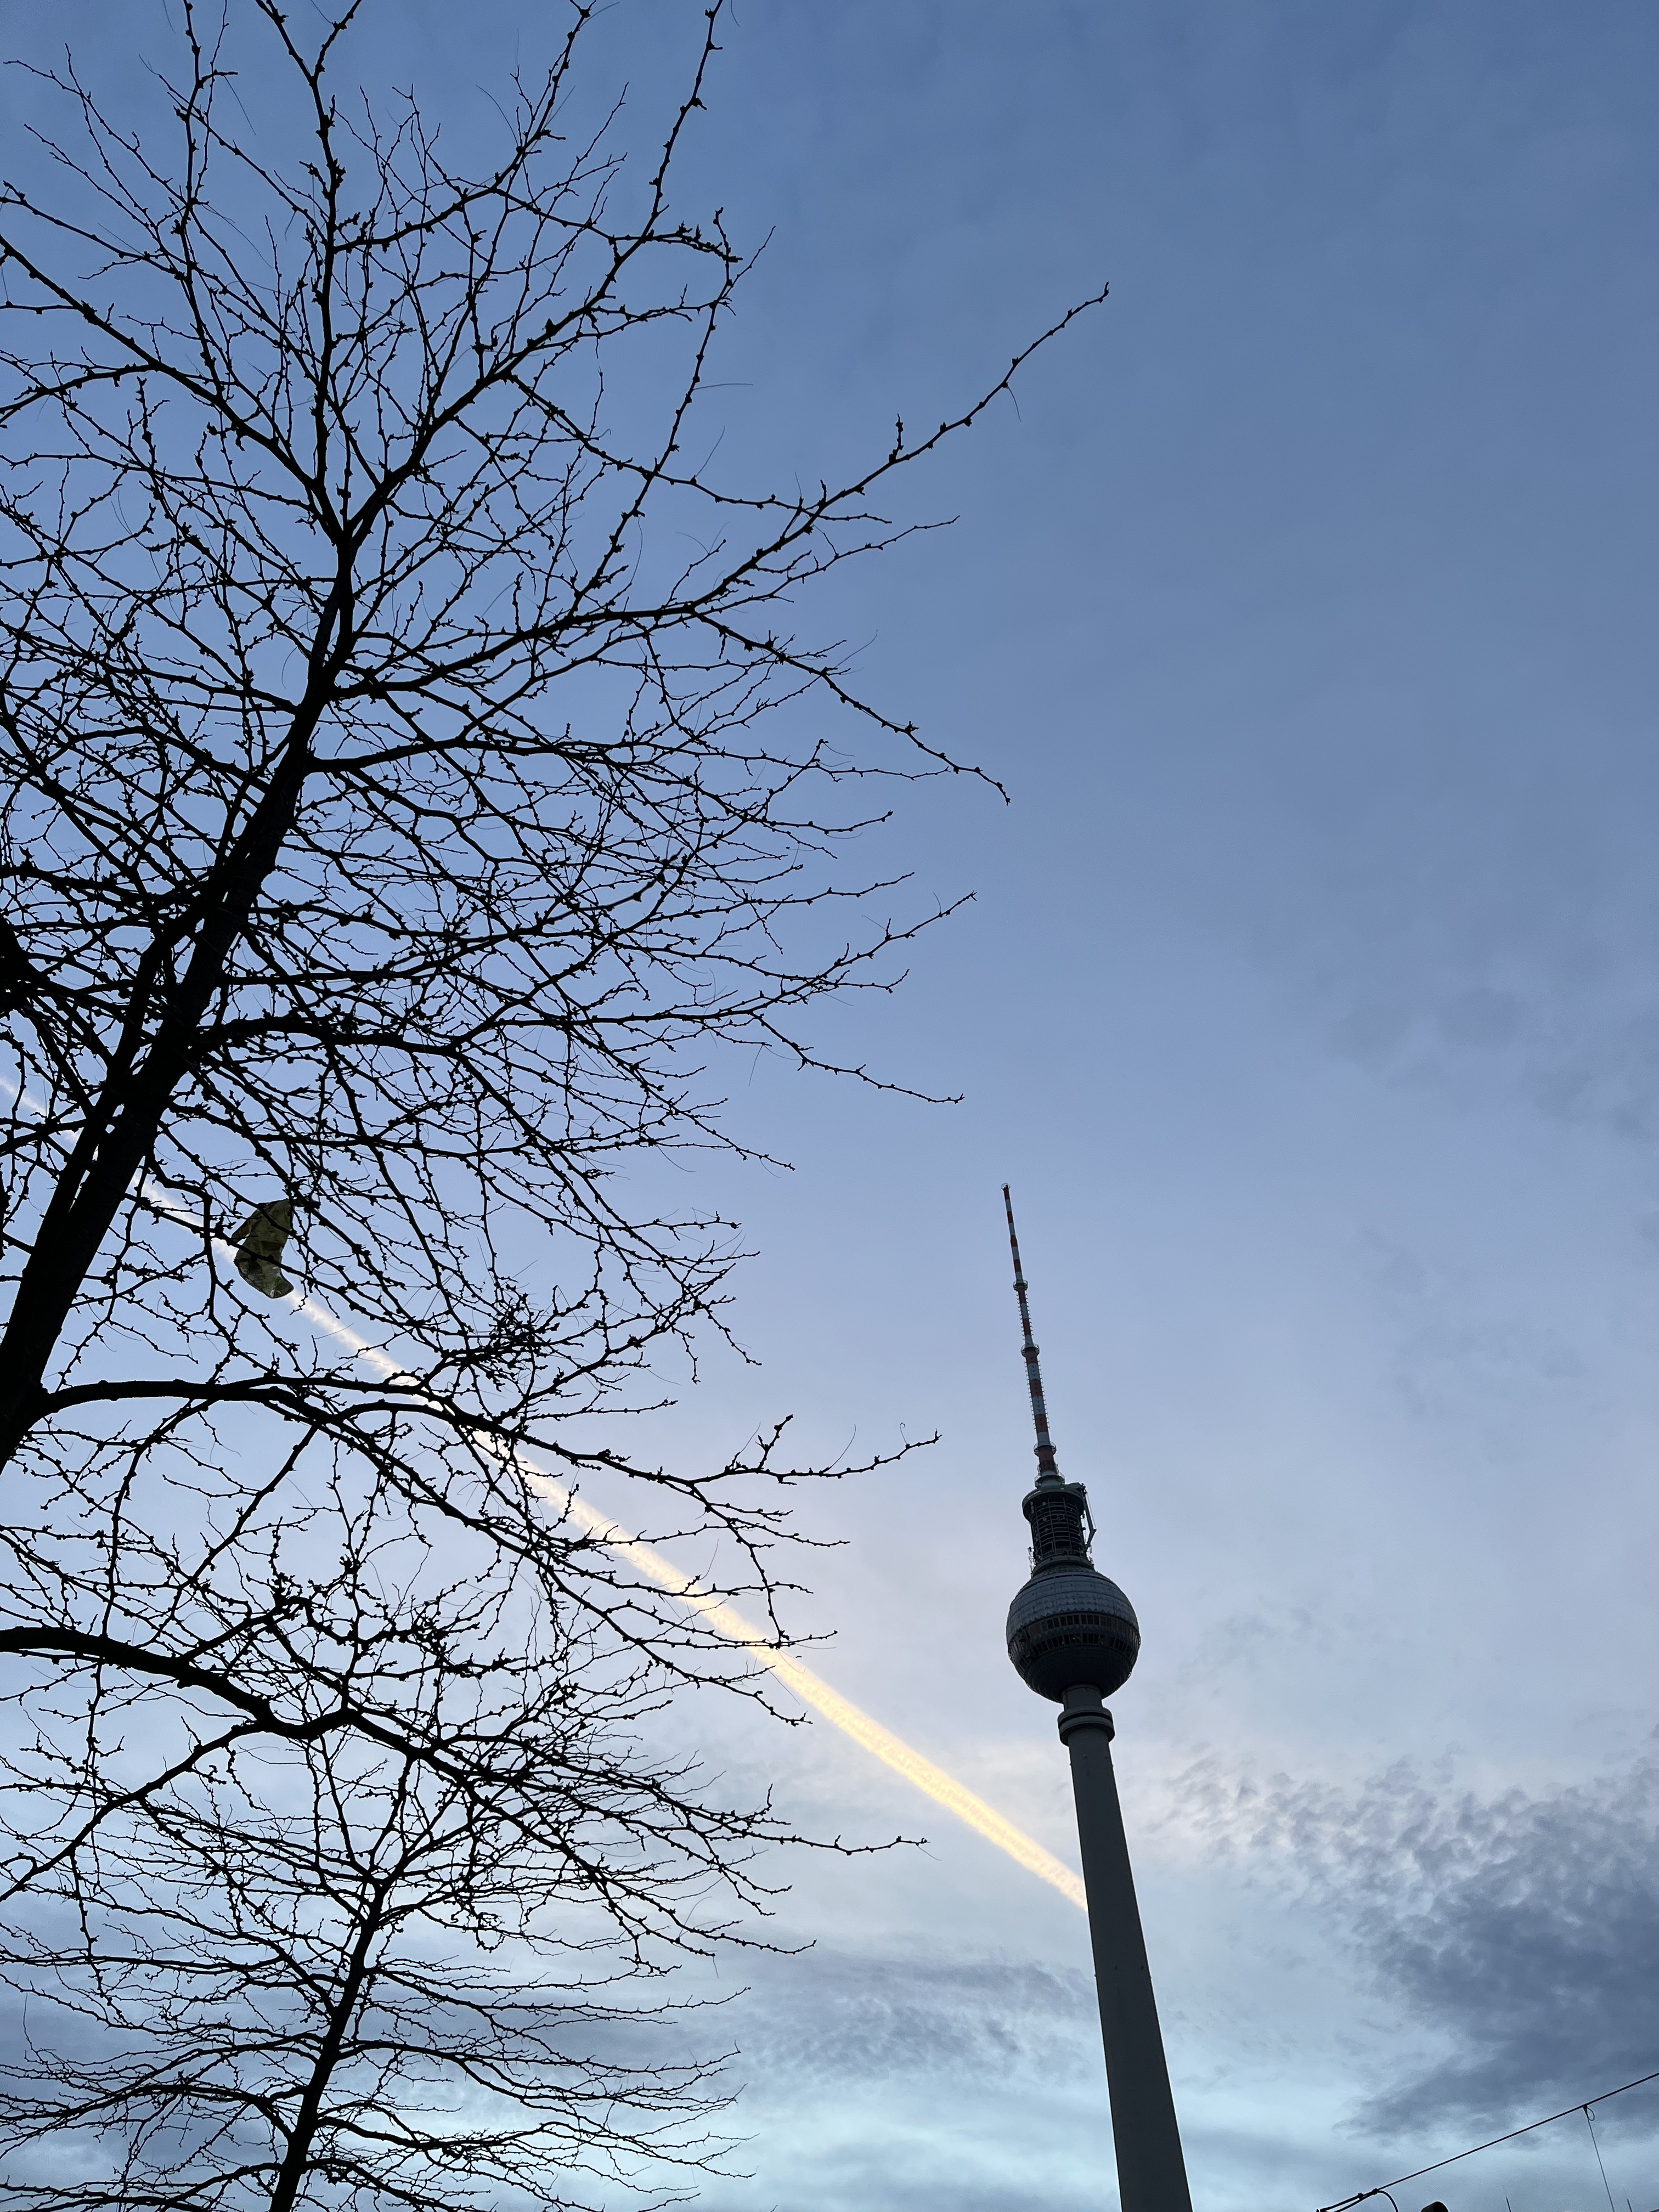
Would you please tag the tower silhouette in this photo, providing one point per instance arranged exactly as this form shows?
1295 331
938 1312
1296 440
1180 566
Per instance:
1073 1637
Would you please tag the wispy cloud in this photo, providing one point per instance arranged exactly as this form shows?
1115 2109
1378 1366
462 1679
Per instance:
852 2016
1522 1930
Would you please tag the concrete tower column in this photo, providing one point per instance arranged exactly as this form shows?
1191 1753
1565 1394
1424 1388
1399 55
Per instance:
1152 2171
1073 1637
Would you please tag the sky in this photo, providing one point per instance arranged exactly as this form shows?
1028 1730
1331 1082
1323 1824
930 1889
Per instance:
1310 1000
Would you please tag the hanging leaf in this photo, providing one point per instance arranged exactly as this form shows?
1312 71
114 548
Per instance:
259 1242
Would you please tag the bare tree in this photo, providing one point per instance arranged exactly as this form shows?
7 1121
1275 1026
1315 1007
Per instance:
400 826
326 1973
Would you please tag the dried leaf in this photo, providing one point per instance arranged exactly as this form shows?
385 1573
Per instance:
259 1242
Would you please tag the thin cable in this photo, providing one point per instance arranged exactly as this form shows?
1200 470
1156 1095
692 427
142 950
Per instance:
1589 2123
1382 2188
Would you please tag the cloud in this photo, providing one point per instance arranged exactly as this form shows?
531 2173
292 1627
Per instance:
1521 1931
833 2015
882 2077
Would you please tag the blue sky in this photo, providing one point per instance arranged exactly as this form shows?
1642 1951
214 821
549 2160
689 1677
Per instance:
1310 999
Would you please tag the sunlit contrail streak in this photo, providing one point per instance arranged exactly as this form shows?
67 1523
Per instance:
813 1691
944 1788
933 1781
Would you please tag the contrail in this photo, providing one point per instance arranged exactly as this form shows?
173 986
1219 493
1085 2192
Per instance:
812 1689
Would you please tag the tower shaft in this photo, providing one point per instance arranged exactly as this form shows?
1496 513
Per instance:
1073 1637
1151 2170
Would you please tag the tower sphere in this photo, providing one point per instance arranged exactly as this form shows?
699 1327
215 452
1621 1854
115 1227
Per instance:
1071 1624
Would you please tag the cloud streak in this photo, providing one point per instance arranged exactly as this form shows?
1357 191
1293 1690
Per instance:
1522 1930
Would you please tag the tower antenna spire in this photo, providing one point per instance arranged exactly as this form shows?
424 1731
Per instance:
1048 1466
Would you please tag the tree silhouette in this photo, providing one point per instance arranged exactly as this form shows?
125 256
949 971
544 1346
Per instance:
414 784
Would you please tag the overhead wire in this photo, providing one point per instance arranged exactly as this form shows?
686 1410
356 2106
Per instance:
1589 2122
1381 2189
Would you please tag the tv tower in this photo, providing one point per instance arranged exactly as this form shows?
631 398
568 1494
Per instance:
1073 1637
